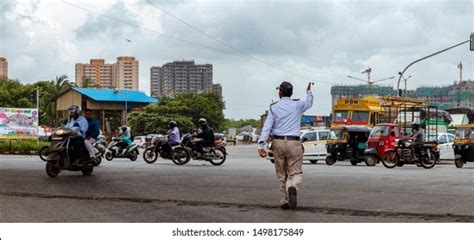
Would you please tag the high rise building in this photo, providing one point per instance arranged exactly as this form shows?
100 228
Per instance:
217 88
127 73
155 81
3 67
123 74
181 77
97 73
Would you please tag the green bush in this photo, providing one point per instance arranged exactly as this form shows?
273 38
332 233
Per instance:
21 146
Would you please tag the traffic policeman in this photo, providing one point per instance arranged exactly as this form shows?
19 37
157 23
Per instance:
283 124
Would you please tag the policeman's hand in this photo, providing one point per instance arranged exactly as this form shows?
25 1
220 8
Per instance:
309 86
262 152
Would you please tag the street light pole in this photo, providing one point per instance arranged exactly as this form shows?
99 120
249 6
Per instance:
423 58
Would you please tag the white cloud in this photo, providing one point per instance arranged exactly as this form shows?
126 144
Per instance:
319 40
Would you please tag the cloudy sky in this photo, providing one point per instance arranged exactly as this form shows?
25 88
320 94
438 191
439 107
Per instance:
253 45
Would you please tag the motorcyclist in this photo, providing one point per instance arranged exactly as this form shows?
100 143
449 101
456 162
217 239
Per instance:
206 134
79 123
125 138
417 138
173 136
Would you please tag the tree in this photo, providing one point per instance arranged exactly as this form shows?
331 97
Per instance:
231 123
49 92
14 94
186 109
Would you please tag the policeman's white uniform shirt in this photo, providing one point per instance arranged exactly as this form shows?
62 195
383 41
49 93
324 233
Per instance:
284 117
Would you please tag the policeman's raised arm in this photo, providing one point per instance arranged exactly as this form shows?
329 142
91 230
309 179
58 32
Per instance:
267 127
308 102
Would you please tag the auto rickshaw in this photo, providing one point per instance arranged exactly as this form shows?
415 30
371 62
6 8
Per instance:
347 142
382 137
464 145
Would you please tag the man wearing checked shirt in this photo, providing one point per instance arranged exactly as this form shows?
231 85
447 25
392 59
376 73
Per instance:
283 123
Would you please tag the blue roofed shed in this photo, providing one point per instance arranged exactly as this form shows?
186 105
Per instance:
109 105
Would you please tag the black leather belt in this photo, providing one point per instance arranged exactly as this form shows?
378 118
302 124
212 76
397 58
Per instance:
290 138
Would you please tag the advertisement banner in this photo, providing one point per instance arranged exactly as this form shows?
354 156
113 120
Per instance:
18 123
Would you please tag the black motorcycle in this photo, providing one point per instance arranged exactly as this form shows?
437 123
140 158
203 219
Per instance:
159 147
216 154
100 145
67 152
404 153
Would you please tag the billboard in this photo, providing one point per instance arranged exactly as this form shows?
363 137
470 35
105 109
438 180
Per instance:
18 123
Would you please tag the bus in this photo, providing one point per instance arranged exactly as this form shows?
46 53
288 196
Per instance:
369 111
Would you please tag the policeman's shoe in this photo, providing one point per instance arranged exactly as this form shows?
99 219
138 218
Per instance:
292 197
285 206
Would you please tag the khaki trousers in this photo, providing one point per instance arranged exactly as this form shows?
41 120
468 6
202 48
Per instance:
288 165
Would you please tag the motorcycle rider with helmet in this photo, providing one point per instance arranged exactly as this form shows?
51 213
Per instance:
79 123
206 134
125 138
173 136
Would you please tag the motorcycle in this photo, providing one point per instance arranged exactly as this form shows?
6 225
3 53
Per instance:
158 147
216 154
115 151
404 153
99 147
67 152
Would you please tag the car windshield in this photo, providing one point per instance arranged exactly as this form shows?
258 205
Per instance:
340 116
337 134
360 116
464 133
378 131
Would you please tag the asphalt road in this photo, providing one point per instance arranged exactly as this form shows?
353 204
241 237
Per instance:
244 189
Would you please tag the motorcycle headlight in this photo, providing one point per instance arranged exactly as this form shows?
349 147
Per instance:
466 146
59 132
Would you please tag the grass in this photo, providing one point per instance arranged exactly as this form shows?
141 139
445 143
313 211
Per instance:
21 146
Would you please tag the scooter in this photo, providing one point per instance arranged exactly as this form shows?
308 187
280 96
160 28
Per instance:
115 151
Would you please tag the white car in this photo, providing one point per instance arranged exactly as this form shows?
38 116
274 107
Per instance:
140 141
314 143
445 146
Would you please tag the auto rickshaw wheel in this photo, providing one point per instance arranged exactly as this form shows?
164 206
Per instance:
330 161
354 162
370 161
458 162
313 161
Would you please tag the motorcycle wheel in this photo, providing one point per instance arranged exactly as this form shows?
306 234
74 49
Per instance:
87 171
150 156
98 161
43 153
52 168
109 156
180 156
390 159
133 156
220 154
370 161
458 162
400 164
428 161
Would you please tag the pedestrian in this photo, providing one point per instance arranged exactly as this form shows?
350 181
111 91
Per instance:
283 124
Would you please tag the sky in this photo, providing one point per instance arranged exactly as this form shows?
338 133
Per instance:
253 45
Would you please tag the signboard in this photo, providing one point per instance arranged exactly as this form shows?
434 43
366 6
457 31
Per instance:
18 123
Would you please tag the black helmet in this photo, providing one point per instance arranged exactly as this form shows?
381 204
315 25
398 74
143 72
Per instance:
124 128
416 125
173 124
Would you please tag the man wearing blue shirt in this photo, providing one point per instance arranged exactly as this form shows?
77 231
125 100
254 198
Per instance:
283 123
79 123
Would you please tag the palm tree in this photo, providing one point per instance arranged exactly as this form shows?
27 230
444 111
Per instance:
55 88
